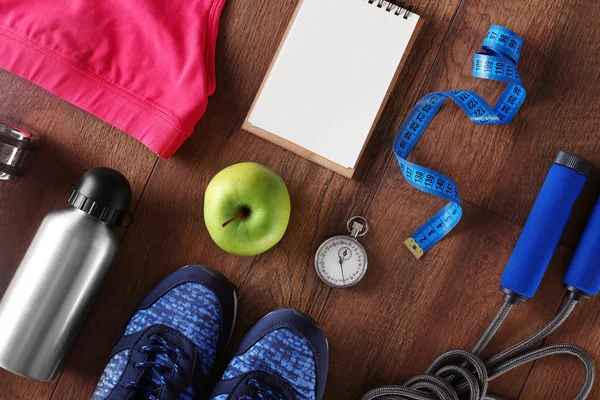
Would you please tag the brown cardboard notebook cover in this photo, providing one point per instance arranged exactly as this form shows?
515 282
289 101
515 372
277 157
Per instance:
328 83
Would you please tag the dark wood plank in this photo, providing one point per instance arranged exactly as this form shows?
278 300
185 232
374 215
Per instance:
72 142
501 168
573 77
407 312
560 377
560 116
170 231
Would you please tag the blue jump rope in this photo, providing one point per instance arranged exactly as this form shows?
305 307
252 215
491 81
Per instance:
461 374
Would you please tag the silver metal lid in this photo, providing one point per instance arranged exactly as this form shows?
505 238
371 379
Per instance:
15 147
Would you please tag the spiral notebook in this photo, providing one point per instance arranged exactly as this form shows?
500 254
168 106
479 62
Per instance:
331 77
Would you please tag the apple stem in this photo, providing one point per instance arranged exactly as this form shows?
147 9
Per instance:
232 219
245 211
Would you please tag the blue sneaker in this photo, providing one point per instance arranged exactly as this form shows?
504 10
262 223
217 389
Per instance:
283 357
172 342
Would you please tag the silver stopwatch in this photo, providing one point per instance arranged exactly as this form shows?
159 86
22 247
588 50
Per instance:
341 261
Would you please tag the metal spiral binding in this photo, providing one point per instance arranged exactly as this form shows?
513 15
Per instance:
391 6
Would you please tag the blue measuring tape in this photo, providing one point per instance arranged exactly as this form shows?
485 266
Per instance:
498 62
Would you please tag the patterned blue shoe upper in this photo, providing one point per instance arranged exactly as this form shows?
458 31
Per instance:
283 357
111 375
171 343
282 353
193 310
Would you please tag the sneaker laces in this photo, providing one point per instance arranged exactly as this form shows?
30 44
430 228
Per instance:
262 392
161 369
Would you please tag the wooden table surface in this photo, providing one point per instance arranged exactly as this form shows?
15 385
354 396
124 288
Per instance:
405 312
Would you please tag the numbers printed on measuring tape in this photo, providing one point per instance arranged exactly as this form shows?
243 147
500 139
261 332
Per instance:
498 61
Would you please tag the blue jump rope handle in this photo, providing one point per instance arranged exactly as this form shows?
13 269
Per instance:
583 274
544 226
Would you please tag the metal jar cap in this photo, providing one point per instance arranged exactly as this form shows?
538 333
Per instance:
16 145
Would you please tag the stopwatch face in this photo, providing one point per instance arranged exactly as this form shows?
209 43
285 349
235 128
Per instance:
341 262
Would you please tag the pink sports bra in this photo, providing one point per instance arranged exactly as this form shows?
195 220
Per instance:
144 66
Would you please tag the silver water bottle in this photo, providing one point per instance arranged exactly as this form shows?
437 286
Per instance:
47 300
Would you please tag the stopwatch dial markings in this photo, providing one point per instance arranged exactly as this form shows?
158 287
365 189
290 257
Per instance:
341 262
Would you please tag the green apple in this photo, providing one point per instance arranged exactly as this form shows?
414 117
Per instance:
246 209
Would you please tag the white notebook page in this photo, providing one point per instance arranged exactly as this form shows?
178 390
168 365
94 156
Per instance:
332 75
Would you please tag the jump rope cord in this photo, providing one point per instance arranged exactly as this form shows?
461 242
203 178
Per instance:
439 382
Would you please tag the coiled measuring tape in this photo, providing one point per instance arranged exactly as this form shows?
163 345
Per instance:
498 62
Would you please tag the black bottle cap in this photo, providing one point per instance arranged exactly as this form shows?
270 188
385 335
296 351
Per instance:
103 193
573 162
